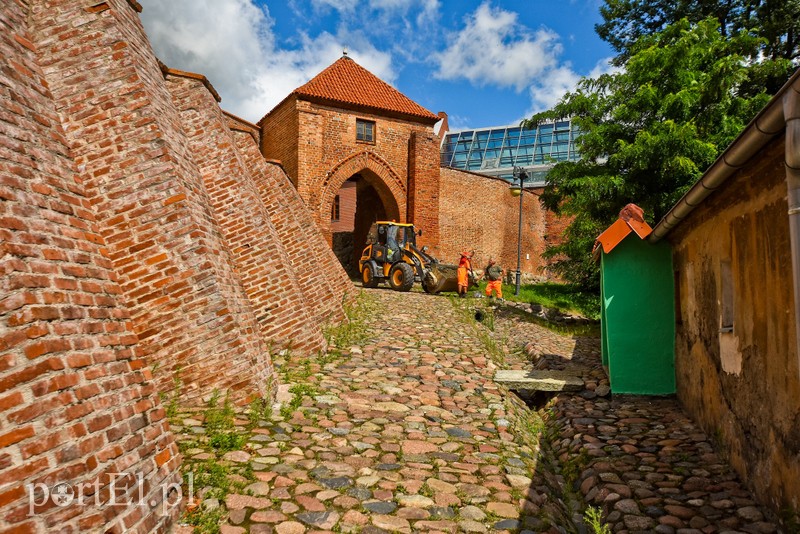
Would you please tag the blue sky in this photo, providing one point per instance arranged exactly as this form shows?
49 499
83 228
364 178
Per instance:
484 62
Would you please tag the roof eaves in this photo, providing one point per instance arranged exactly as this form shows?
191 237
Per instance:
760 131
373 110
613 235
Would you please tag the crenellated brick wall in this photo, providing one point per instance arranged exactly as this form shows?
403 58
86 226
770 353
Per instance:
78 406
137 232
277 296
177 275
323 281
279 142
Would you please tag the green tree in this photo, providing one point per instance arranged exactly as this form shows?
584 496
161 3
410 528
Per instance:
650 129
777 21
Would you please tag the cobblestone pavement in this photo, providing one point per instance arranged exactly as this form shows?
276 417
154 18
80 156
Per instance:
406 432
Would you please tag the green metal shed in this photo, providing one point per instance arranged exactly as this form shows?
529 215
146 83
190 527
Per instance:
637 316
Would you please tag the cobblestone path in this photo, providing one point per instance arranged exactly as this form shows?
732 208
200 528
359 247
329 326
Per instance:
405 431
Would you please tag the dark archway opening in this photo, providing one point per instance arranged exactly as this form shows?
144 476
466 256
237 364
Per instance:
356 206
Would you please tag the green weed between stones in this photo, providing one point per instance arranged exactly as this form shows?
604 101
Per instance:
482 317
215 481
680 470
353 329
790 517
205 521
219 426
187 445
491 517
493 349
211 478
426 491
573 465
260 410
593 517
298 391
296 370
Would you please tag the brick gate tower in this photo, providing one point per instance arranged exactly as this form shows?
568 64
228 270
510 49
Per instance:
357 150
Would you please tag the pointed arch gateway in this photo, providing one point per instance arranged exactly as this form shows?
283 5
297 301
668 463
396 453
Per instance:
361 189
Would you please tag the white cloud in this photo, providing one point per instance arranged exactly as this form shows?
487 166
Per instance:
407 27
493 49
289 69
234 46
339 5
545 92
458 122
428 8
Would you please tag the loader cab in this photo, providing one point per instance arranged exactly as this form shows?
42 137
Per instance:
389 239
391 255
380 232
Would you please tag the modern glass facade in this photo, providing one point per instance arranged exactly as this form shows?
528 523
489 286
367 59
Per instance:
496 151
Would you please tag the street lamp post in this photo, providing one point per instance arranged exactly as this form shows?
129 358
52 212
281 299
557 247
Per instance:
519 172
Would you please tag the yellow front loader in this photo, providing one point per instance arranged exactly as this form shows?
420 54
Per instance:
392 255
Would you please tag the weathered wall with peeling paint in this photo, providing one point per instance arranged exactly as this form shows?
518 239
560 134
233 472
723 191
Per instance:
743 385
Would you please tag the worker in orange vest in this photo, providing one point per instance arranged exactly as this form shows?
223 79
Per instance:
494 274
462 273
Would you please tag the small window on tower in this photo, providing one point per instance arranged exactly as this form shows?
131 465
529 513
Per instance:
365 131
335 209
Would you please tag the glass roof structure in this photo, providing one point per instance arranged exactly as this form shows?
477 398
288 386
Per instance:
496 151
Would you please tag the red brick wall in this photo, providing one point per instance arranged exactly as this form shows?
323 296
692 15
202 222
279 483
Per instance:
177 276
347 208
424 189
279 136
328 154
262 262
479 213
318 272
555 225
77 402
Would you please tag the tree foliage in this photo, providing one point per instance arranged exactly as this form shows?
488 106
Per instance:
776 21
651 129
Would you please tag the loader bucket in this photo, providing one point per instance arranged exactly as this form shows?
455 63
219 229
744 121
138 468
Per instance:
441 277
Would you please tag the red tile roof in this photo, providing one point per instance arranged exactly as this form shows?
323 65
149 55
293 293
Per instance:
347 83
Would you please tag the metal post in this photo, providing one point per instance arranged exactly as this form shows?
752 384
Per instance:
522 175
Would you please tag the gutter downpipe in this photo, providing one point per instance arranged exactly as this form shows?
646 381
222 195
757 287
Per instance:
791 112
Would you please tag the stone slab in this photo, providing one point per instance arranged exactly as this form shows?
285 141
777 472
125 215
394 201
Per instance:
535 380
